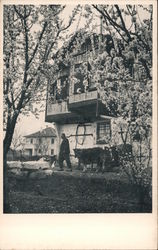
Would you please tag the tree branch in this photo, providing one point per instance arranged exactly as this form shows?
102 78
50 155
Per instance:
18 13
51 46
26 15
115 25
37 45
146 68
122 21
26 45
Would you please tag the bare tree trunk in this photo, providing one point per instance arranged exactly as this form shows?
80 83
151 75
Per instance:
6 205
6 146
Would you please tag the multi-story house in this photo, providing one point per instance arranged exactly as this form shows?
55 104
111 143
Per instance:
75 107
41 143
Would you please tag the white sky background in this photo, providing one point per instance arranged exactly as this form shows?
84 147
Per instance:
30 124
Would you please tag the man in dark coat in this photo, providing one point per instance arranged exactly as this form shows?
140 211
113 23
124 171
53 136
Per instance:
64 153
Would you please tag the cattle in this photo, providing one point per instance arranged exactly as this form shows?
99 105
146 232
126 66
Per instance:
101 157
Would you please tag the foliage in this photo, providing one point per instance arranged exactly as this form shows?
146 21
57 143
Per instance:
136 34
129 70
31 34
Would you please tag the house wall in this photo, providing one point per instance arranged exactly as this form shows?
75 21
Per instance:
52 146
35 146
70 130
28 146
46 146
83 136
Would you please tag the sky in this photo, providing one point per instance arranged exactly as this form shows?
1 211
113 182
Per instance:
30 124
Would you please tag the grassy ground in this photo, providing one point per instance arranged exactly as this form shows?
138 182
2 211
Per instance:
66 192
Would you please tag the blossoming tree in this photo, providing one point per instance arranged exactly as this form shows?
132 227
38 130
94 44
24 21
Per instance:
122 72
31 33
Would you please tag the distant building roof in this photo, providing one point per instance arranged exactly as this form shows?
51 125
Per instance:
47 132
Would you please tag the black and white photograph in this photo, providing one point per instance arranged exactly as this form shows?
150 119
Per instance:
77 108
79 124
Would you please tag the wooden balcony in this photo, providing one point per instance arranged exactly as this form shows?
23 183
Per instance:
80 107
84 104
83 99
88 105
58 112
57 108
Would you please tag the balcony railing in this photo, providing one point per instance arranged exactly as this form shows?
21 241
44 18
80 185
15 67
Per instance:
83 97
57 108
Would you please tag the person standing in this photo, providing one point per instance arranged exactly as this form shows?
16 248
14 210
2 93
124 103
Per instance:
64 153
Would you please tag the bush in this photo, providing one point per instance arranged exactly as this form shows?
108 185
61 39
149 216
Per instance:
139 174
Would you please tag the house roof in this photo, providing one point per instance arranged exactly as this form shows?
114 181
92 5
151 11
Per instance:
68 46
47 132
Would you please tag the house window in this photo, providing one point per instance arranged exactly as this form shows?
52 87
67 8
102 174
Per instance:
40 140
29 151
62 88
78 85
39 151
103 132
31 141
52 141
52 151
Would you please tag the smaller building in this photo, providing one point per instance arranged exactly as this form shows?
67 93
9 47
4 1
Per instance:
41 143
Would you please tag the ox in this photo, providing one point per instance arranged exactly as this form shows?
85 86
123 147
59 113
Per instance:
102 157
